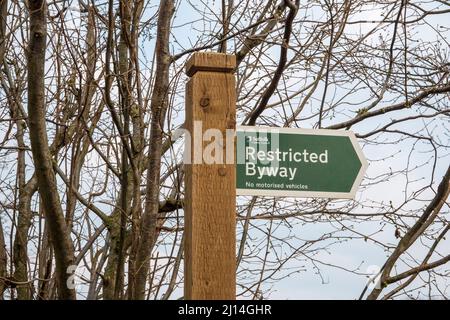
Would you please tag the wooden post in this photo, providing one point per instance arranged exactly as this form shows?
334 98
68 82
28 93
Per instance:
210 198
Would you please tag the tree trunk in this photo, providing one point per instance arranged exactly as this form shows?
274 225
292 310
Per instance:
3 261
20 257
159 104
59 234
3 254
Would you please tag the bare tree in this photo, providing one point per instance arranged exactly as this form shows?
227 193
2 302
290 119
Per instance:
43 163
91 175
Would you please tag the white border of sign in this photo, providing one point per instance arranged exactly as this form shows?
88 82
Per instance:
309 194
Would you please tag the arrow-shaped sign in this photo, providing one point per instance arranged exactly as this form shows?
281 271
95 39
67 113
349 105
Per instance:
286 162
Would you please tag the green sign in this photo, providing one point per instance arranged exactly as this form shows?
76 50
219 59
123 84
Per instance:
285 162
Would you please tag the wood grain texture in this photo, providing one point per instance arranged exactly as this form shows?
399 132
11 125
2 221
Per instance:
210 61
210 220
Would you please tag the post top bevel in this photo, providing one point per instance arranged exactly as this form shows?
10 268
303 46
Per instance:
210 61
